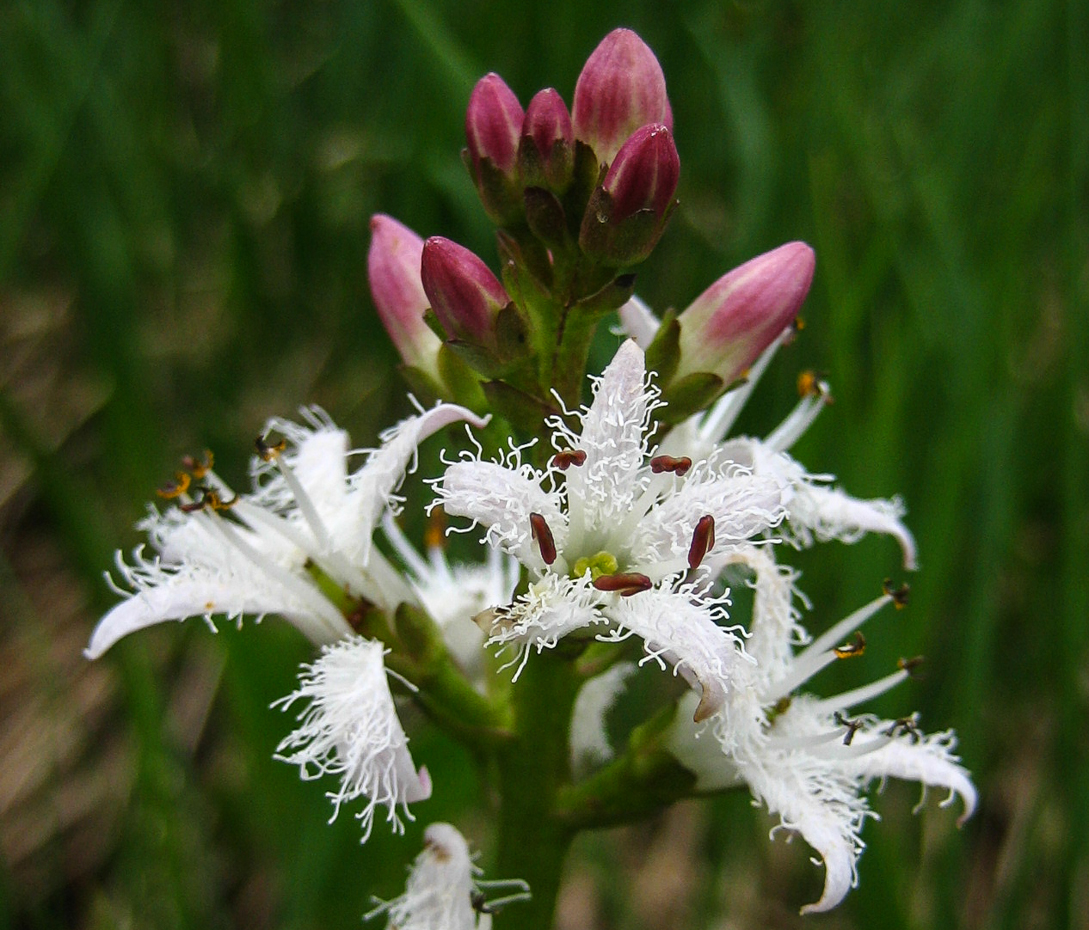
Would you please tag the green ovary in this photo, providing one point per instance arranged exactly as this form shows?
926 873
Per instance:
603 563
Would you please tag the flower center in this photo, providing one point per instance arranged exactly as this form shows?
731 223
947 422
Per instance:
602 563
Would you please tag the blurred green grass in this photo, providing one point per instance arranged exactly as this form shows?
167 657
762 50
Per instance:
184 198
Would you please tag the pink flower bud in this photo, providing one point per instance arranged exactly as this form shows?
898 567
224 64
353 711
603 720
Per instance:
644 174
545 155
464 294
726 328
621 88
627 214
493 123
393 269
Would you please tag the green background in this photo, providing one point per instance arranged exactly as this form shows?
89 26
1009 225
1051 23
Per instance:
185 191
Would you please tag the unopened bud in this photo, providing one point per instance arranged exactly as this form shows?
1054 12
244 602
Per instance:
545 153
464 294
493 125
621 88
628 212
726 328
393 270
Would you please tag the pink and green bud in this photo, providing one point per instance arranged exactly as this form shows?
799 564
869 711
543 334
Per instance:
493 126
463 293
627 214
726 328
621 88
393 270
545 153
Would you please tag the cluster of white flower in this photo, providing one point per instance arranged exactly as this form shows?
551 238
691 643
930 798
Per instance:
619 538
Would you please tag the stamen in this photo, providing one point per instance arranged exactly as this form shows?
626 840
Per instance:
624 583
899 595
853 726
176 488
567 458
542 535
213 501
200 467
679 466
909 725
198 503
856 696
820 652
908 666
268 451
797 422
810 384
852 649
703 541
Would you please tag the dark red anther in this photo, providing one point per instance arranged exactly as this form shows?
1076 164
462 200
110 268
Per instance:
679 467
542 535
703 541
624 583
564 460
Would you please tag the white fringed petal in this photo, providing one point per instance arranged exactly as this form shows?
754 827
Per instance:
501 499
349 728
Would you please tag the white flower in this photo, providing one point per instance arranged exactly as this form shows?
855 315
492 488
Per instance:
443 891
816 510
222 553
266 552
614 536
802 756
350 729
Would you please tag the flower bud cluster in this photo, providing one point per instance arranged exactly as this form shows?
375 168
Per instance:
608 170
578 196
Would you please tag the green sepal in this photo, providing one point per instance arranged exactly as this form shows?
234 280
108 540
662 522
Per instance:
522 410
587 174
461 384
511 336
546 218
610 297
689 395
664 352
499 193
419 634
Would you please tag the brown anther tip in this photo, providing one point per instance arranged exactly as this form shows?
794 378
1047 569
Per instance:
199 467
268 451
623 583
565 459
542 535
175 488
899 594
909 665
797 324
853 726
851 649
703 541
213 500
663 463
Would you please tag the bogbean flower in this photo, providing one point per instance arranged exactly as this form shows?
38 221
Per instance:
306 529
444 891
614 535
815 509
804 757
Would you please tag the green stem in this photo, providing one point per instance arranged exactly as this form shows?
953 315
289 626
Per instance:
533 841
